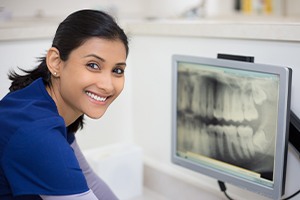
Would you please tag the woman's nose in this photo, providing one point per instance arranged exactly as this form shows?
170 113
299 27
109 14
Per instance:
105 82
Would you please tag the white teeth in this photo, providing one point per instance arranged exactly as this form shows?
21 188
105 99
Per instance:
219 103
95 97
250 112
230 134
259 95
245 136
210 100
199 101
184 89
237 106
219 137
227 105
260 140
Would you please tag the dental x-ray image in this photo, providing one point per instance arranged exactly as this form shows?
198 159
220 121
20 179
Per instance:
228 116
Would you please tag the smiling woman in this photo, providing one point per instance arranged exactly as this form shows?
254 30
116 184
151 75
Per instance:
82 74
98 64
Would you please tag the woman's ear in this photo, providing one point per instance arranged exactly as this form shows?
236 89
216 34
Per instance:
53 61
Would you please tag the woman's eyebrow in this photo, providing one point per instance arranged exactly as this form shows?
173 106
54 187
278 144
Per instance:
103 60
95 56
121 64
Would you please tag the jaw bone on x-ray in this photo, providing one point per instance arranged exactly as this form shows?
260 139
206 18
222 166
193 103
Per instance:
228 117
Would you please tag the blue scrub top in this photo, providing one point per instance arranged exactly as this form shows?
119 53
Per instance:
35 153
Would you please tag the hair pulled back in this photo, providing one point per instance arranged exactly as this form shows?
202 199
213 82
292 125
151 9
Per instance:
77 28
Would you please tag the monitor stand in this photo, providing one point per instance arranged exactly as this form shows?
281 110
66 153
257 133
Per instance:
236 57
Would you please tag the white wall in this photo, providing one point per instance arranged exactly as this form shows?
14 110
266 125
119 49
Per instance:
152 100
131 9
21 54
61 8
292 8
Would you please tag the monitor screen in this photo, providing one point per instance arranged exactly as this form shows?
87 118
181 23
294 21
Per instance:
230 121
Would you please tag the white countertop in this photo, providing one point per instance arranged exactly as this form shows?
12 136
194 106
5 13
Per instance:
235 28
28 28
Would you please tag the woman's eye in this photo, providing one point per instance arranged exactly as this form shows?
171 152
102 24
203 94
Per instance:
93 66
118 71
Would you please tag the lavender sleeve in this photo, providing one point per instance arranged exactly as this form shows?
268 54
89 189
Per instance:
98 186
89 195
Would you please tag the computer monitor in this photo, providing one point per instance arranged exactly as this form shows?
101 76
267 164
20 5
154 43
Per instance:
230 121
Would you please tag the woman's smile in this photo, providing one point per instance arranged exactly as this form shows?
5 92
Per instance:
96 97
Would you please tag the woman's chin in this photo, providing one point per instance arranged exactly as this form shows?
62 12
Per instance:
95 115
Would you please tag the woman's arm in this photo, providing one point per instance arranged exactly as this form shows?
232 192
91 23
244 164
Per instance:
99 188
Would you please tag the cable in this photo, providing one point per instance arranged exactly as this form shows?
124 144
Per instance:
292 195
223 189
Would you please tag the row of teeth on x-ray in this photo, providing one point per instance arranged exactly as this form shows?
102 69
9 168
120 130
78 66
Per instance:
219 141
237 102
208 98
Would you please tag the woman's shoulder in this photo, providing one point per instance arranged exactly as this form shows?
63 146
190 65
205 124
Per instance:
29 116
26 106
34 94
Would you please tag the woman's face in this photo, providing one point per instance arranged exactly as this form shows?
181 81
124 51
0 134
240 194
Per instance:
91 79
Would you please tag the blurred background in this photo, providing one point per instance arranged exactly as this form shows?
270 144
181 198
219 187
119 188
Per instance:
266 29
148 9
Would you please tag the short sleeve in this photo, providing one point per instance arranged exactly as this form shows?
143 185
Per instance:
38 160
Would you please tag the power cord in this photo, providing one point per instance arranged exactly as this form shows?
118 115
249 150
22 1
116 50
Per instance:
223 189
296 193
